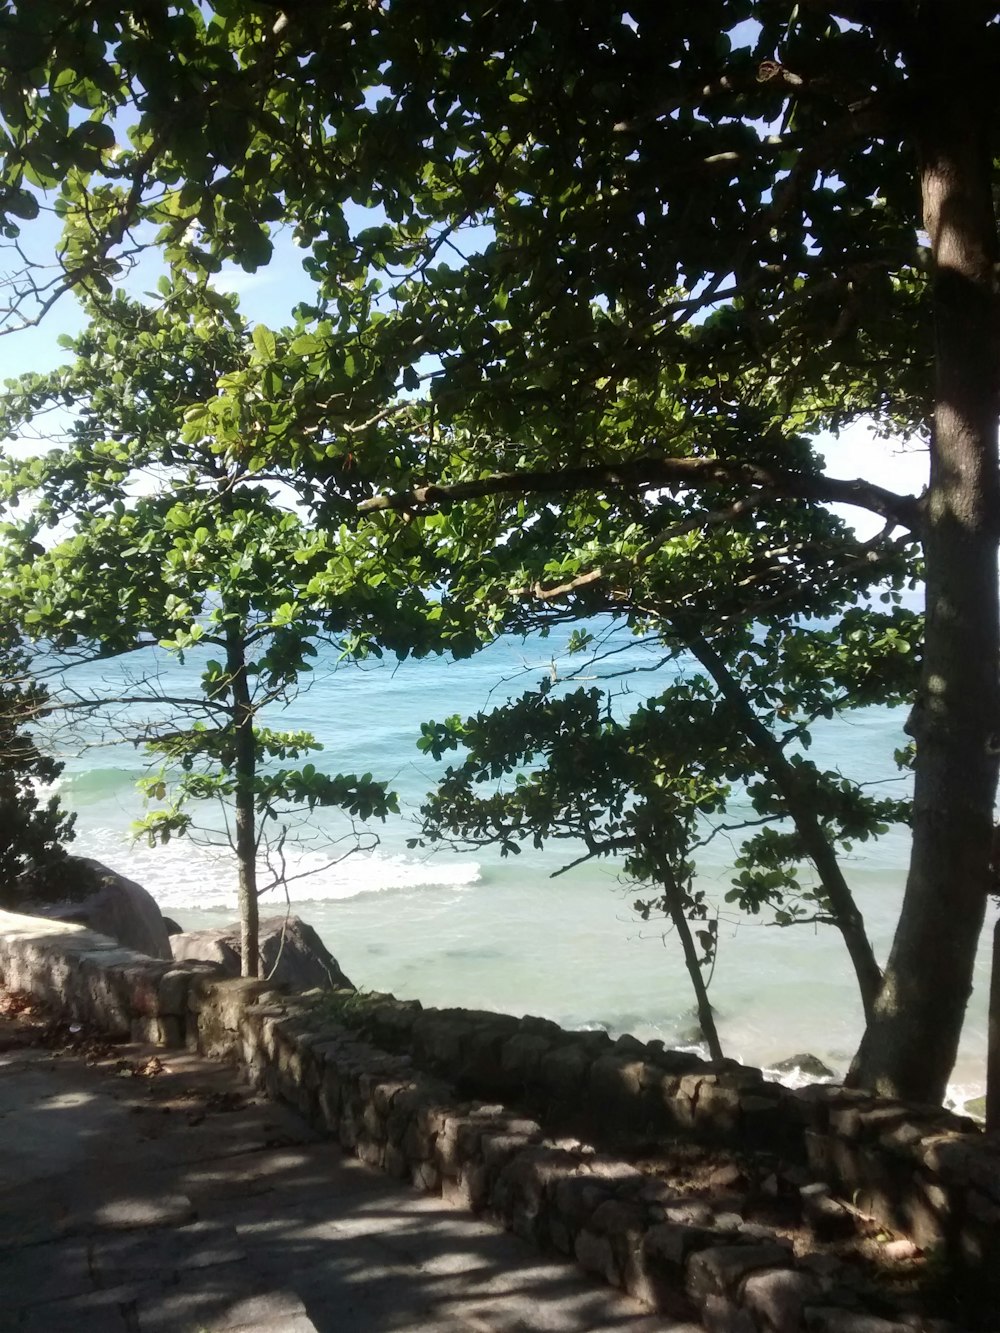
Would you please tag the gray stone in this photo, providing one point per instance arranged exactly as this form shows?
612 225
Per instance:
115 906
291 952
809 1066
595 1255
720 1315
777 1296
826 1218
720 1269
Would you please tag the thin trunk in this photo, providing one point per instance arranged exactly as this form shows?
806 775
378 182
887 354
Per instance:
802 811
910 1045
245 770
706 1019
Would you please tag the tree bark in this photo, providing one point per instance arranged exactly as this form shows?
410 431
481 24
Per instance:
993 1043
802 811
706 1019
910 1045
244 768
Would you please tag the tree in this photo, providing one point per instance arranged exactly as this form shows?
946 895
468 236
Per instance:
787 207
633 790
32 831
671 191
179 540
742 710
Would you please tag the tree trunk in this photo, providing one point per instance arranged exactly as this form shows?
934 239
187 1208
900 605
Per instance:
706 1019
993 1043
802 811
244 768
910 1045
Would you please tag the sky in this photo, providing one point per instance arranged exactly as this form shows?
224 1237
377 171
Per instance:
269 295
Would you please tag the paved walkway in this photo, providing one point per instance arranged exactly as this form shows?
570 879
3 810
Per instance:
149 1192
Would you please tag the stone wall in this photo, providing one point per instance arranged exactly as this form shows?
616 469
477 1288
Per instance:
534 1126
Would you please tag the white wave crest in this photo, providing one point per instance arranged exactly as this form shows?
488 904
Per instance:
185 875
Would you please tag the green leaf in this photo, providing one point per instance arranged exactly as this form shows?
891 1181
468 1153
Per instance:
264 342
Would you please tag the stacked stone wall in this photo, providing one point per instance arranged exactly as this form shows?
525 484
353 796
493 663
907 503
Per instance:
534 1126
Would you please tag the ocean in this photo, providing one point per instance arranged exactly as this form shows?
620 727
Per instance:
454 927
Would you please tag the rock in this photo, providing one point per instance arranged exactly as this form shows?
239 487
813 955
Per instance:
903 1248
304 963
172 927
826 1218
778 1296
810 1066
976 1108
107 902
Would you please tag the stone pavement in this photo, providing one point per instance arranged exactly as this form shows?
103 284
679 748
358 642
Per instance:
151 1192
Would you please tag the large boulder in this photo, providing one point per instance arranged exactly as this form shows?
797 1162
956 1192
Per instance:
101 899
290 950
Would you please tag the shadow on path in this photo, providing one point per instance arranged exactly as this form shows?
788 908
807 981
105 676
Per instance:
148 1191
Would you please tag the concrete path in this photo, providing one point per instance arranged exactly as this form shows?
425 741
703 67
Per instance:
150 1192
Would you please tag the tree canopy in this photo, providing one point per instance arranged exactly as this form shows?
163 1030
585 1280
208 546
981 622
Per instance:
637 254
171 534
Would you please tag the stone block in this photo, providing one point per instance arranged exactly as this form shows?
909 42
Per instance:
220 1005
616 1093
498 1149
328 1097
523 1182
481 1066
623 1222
563 1073
678 1063
926 1210
594 1254
667 1246
426 1177
575 1198
460 1138
385 1092
391 1021
719 1269
173 991
521 1058
826 1218
721 1315
437 1037
369 1151
819 1153
809 1106
716 1111
778 1296
475 1185
394 1162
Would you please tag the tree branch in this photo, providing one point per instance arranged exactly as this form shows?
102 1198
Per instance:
653 473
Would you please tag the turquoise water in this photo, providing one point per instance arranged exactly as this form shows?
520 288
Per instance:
454 927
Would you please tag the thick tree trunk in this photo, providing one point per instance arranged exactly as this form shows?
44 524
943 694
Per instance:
244 769
993 1043
910 1045
802 811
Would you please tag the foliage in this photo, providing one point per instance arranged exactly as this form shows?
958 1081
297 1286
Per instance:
178 540
705 231
32 830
